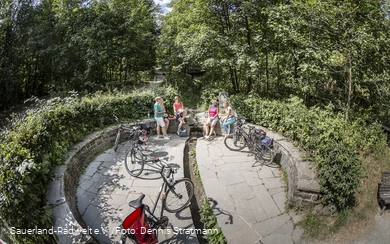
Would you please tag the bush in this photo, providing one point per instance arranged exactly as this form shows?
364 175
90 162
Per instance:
334 144
37 143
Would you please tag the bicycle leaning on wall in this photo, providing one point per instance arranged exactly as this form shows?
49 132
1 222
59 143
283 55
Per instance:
256 141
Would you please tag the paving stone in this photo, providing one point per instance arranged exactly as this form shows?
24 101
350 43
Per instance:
230 222
116 200
274 191
257 209
243 208
238 159
286 229
95 188
241 191
218 162
215 152
104 157
267 202
275 171
297 234
230 167
90 214
230 178
251 178
271 225
54 194
86 185
96 177
295 217
246 236
273 183
207 173
92 168
215 190
277 238
265 173
280 200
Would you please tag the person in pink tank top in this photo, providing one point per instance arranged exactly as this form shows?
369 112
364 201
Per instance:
180 112
212 118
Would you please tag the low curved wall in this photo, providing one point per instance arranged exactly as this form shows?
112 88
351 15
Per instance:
303 185
61 192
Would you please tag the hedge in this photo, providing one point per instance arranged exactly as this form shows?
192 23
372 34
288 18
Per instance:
334 144
37 143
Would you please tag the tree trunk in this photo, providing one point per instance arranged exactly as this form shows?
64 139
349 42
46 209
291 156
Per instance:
348 109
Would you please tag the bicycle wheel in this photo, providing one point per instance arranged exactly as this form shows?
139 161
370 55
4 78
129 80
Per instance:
235 142
264 154
179 195
134 162
117 138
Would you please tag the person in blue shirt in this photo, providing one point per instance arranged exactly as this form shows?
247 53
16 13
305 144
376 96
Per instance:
159 111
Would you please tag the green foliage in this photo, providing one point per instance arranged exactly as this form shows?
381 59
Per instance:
209 220
321 51
335 145
38 142
53 46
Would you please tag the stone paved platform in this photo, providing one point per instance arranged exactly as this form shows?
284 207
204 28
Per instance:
105 189
248 199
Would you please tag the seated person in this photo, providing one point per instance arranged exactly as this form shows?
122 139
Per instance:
212 118
230 117
180 112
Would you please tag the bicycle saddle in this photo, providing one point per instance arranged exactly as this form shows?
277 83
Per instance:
137 202
251 127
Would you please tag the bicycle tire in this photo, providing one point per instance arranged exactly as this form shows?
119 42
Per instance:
117 139
134 162
232 142
179 195
265 154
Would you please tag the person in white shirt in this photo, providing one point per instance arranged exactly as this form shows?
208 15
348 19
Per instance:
230 117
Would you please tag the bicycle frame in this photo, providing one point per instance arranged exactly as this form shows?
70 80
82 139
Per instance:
163 189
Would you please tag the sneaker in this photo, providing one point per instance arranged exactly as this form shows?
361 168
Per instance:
177 133
167 138
206 137
160 136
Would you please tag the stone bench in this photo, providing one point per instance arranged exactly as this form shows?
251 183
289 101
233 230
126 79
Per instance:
384 191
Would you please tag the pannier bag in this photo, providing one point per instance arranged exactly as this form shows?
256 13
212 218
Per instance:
268 141
137 228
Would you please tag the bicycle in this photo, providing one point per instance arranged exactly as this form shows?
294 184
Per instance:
240 139
142 224
141 133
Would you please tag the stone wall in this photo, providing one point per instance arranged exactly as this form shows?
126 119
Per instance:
303 185
61 191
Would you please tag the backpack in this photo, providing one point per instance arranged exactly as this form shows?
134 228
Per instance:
183 132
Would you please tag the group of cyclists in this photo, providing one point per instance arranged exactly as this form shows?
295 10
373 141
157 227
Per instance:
180 114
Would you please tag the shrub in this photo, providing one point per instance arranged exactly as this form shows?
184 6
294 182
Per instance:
37 143
328 139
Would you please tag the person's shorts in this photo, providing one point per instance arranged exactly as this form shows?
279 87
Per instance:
160 121
178 116
213 121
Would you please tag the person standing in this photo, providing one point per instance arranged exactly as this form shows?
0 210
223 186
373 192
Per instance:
159 111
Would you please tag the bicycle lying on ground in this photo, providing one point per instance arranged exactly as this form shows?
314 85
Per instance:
142 224
141 133
255 140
